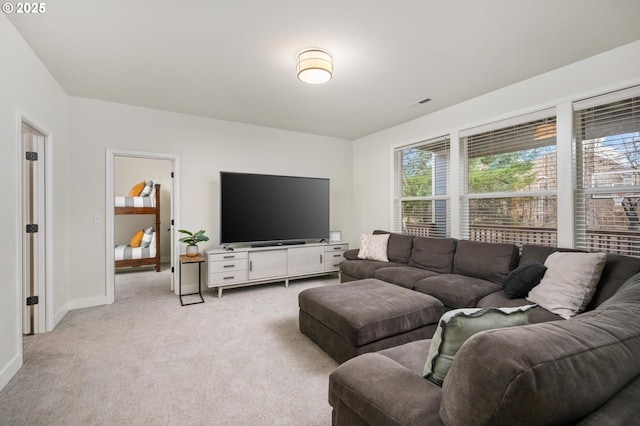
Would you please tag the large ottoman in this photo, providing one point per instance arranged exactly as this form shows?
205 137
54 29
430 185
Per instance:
368 315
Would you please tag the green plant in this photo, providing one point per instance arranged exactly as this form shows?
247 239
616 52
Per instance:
193 239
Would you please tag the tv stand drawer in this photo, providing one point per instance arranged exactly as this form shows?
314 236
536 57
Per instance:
229 277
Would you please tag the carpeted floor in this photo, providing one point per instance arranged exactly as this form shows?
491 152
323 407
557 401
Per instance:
145 360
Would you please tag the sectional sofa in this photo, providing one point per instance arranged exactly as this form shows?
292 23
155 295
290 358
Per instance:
554 371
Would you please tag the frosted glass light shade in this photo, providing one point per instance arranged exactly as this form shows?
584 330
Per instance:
315 66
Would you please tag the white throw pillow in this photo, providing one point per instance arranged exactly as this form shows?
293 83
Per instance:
569 283
373 247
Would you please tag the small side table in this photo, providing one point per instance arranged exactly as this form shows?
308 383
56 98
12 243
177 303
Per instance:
199 259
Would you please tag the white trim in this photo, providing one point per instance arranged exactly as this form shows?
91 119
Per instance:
565 181
23 117
12 367
87 302
110 227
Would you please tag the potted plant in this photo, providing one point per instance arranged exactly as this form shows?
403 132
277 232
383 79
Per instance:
192 239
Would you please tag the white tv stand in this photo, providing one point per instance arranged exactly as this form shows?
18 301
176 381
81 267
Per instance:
246 266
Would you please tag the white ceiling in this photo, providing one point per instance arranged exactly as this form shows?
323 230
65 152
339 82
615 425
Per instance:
235 60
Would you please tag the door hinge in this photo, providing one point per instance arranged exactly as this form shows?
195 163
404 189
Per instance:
171 174
172 222
31 156
172 269
32 228
32 300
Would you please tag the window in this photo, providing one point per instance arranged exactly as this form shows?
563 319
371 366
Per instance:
509 178
607 161
421 204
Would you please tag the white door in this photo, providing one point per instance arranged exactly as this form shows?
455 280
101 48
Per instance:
33 243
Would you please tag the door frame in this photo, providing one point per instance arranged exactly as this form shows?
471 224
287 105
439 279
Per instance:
110 206
45 307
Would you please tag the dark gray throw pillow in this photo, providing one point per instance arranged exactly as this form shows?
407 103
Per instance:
521 280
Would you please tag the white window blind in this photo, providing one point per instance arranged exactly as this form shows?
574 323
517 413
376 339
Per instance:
509 178
421 200
607 163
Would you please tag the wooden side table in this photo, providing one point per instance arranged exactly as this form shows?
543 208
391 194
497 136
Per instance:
199 259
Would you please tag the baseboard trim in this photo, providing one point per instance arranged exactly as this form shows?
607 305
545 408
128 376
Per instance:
87 302
10 370
59 315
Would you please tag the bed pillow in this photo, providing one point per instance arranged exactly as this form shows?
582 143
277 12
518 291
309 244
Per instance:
569 283
148 188
137 239
146 238
457 325
521 280
374 247
137 189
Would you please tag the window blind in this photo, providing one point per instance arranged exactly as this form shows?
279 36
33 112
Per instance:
509 178
607 164
421 188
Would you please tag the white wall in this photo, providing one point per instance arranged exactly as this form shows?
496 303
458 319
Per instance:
373 168
26 86
205 147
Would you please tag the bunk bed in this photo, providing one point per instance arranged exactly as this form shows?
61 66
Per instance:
127 256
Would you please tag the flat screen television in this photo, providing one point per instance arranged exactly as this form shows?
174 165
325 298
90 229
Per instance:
272 210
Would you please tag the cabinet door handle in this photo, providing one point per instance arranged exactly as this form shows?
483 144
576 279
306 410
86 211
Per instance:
229 266
337 248
336 255
228 278
251 265
320 258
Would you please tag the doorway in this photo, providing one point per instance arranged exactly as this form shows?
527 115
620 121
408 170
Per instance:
34 225
124 170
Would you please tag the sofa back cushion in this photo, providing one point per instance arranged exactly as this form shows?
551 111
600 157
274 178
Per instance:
434 254
487 261
399 246
550 373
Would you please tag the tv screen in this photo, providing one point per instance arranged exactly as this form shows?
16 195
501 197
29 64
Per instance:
269 208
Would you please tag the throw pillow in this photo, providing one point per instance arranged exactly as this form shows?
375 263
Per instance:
521 280
146 238
456 326
569 283
148 188
137 239
136 190
374 247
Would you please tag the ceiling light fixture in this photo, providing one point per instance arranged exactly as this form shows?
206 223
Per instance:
315 66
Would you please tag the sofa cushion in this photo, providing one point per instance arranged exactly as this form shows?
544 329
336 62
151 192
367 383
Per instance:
434 254
488 261
399 248
536 314
617 270
373 247
552 373
411 355
456 291
405 276
569 283
521 280
456 326
360 269
537 253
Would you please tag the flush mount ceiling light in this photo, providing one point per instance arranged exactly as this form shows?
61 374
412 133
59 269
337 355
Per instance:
315 66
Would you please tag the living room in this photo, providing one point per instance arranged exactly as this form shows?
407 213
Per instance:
360 168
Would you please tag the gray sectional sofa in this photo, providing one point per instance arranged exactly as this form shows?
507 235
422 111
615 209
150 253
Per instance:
585 370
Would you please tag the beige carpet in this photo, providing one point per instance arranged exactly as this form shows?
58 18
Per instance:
145 360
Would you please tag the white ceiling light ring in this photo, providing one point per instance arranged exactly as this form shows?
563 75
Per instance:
315 66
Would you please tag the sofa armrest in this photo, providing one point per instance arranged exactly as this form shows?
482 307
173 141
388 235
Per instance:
351 254
378 390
